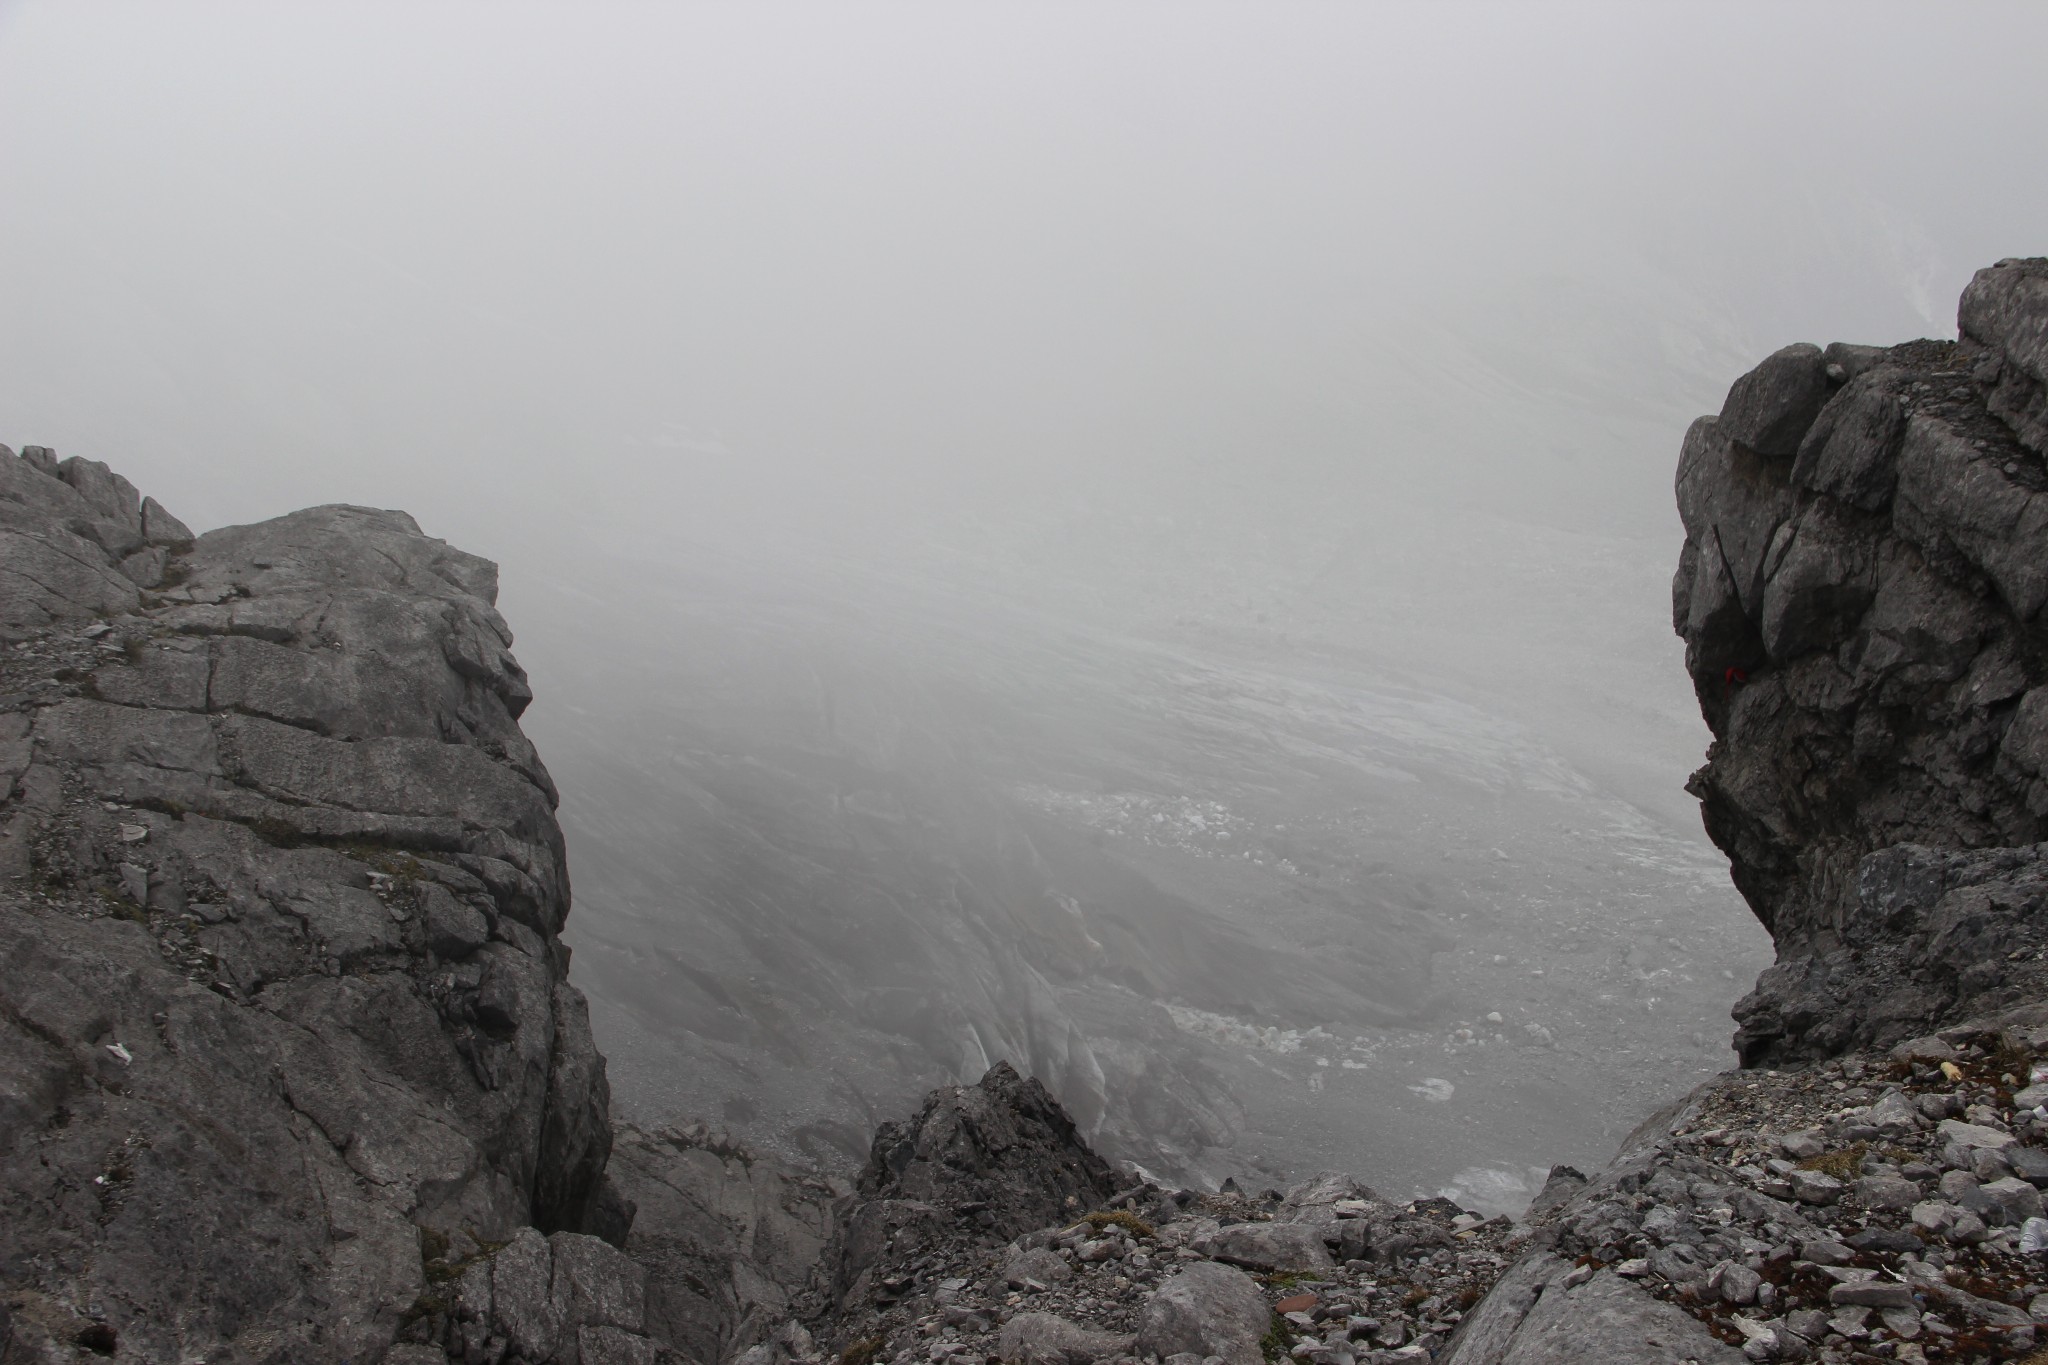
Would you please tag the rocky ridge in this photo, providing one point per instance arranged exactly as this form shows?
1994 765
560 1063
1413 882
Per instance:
1860 592
1860 595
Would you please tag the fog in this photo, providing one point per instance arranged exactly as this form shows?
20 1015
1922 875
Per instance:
1134 538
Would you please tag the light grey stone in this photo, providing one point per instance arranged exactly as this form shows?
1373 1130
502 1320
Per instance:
596 1284
1814 1187
1045 1339
2012 1200
1972 1135
1608 1321
1040 1264
1268 1246
1886 1192
1208 1310
522 1298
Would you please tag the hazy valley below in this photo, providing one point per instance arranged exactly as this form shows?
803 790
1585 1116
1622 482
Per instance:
1245 892
1023 685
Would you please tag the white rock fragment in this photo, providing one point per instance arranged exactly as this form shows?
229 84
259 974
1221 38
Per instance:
1973 1135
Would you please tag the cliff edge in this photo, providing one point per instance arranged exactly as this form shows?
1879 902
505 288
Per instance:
1861 595
286 1035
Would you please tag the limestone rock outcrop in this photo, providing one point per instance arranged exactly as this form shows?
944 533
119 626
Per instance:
1861 595
286 1035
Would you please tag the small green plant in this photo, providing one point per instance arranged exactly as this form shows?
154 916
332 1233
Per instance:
275 832
1845 1164
1274 1346
1129 1222
862 1352
120 907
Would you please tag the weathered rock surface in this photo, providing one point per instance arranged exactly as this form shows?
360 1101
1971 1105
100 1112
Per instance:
1205 1310
1004 1144
1922 1246
567 1298
1043 1339
1267 1246
1605 1321
286 1037
1861 594
728 1238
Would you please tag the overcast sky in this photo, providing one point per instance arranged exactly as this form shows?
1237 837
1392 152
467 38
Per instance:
533 271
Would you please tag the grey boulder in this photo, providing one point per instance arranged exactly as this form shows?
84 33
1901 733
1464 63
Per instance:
1205 1310
1268 1246
1039 1263
1769 409
1045 1339
1605 1321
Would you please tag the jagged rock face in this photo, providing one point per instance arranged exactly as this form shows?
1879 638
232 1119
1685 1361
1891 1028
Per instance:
728 1237
1003 1145
979 1165
280 884
1861 594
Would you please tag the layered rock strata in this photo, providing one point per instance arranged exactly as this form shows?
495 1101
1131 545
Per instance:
989 1231
285 1025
